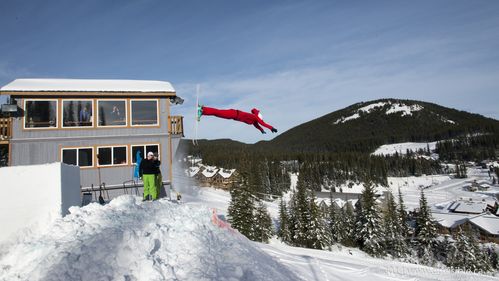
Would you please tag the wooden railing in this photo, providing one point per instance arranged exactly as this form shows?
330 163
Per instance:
176 125
5 129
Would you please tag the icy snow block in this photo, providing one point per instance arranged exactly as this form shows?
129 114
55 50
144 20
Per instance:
36 194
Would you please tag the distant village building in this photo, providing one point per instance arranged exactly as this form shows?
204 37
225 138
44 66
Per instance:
211 175
486 225
470 206
481 215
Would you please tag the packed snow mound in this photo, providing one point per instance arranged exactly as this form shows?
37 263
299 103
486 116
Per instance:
133 240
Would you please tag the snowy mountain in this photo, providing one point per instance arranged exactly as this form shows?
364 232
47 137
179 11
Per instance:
365 126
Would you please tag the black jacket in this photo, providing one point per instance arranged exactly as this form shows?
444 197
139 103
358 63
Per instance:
149 167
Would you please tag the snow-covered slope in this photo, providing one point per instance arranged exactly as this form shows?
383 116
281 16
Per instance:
340 263
401 148
401 108
131 240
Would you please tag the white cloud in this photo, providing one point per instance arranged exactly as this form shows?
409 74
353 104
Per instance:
289 98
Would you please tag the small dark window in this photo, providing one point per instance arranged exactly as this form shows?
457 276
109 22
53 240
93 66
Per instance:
69 156
104 156
112 112
152 148
82 157
144 112
85 157
40 114
144 149
135 149
119 155
77 113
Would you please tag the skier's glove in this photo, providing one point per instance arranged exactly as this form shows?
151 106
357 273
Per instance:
274 130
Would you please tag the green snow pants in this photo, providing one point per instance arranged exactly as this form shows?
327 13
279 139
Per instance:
150 187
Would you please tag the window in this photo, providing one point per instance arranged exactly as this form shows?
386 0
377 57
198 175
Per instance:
144 112
154 148
82 157
109 156
40 113
77 113
111 112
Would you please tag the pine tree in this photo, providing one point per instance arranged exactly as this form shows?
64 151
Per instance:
336 229
426 232
348 226
240 211
317 231
284 228
263 227
300 214
467 255
369 229
395 239
402 215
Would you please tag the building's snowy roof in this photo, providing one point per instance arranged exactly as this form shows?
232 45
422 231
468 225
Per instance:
450 220
470 207
87 85
488 223
226 173
209 171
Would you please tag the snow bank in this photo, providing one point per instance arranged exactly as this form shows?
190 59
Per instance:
36 194
131 240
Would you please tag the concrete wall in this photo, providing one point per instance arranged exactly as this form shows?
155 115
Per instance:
35 194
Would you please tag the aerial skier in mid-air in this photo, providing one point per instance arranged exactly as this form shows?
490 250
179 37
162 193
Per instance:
254 118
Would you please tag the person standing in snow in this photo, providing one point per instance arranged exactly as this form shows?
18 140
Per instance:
159 177
148 172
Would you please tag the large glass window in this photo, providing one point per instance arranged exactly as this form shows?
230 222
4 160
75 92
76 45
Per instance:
144 112
40 113
112 155
154 148
82 157
77 113
112 112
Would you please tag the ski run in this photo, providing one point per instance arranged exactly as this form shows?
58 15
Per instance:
128 239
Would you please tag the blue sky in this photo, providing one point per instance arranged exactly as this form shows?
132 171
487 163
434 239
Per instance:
295 60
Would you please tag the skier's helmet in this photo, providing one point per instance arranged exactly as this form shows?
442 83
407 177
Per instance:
257 113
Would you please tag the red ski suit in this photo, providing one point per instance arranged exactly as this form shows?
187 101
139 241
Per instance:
234 114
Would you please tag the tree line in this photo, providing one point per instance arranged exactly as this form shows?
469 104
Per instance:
381 230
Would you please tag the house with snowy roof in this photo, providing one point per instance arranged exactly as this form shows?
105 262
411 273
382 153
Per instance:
485 224
99 125
225 177
471 206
